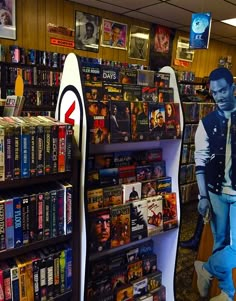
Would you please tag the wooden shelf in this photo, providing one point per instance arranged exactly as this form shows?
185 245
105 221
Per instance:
9 253
4 185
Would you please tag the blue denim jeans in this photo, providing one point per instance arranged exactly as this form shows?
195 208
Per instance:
223 226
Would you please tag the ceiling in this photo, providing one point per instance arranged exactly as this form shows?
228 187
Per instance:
175 13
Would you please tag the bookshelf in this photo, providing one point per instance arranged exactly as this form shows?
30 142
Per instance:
195 105
165 243
41 86
28 189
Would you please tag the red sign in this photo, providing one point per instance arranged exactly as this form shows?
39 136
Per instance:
62 43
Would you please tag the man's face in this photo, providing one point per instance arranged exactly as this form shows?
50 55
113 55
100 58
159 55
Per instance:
93 109
115 33
160 119
103 228
145 107
94 93
223 94
89 31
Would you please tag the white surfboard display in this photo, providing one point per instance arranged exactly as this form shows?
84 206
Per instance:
71 109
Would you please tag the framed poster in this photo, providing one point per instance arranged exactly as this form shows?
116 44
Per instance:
8 19
87 29
114 34
183 52
200 31
138 42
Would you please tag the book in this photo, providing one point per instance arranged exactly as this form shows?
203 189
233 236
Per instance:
120 225
164 184
109 74
94 199
9 150
155 214
6 275
91 72
103 161
170 219
47 214
123 158
99 131
172 120
68 197
2 153
139 121
2 225
162 79
21 264
120 121
33 229
143 172
25 200
68 272
19 105
149 93
134 271
160 294
165 94
128 76
159 169
93 91
154 281
138 219
132 93
150 264
109 176
18 233
14 276
99 230
125 293
145 77
40 214
9 222
140 287
60 200
42 275
149 188
132 192
112 91
49 272
112 195
10 105
127 174
118 278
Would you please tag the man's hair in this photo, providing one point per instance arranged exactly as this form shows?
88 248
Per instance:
221 73
89 24
116 25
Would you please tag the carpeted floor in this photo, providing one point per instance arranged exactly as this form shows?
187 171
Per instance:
186 257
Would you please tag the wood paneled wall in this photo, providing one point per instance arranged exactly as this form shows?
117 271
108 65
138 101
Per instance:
33 17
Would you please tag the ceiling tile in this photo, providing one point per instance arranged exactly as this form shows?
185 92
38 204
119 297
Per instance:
168 12
223 29
132 4
151 19
220 9
102 5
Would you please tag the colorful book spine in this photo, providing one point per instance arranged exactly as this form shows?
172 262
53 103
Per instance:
2 225
40 150
25 151
25 218
40 213
69 147
33 233
9 151
60 211
68 272
53 213
9 223
46 220
2 154
61 148
18 234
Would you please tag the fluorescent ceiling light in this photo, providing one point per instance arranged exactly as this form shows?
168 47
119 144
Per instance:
230 21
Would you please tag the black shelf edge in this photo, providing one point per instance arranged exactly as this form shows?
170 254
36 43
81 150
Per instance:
8 253
185 82
64 297
139 145
36 180
39 108
108 252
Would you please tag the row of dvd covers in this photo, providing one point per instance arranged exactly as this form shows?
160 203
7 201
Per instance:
124 121
118 225
126 167
132 274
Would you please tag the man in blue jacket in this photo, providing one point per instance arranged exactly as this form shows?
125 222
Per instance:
215 158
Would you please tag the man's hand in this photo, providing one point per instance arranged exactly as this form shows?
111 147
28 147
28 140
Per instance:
204 206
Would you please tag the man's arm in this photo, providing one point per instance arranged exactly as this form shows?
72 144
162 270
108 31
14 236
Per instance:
202 155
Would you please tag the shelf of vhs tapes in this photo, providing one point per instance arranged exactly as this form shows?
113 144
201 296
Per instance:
36 208
132 195
195 107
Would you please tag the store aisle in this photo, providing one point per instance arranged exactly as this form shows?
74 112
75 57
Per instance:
186 257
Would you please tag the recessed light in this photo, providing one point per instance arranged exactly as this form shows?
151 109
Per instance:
230 21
